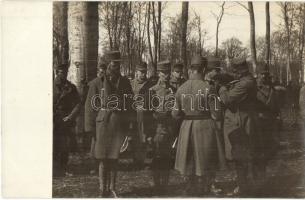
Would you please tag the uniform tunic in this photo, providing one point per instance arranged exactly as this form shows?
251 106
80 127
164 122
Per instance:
143 118
66 102
269 109
197 147
163 121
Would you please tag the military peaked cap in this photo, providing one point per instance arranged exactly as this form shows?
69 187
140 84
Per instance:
164 66
198 60
114 56
141 66
239 64
213 62
178 67
63 66
102 65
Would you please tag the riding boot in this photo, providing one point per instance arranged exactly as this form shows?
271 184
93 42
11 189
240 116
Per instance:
156 179
113 175
242 181
103 179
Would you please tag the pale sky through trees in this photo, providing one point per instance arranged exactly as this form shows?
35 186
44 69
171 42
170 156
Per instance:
235 22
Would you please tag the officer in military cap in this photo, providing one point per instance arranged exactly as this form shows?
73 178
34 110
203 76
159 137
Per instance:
112 121
177 79
268 115
66 106
196 155
214 75
162 95
140 86
241 136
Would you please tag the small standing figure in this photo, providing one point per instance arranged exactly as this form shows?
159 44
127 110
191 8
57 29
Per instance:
66 106
163 138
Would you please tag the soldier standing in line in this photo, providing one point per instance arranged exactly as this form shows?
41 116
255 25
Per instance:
112 122
196 155
140 86
268 112
177 79
66 106
163 137
240 126
214 75
90 113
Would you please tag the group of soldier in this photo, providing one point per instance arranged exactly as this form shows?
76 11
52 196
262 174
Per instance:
238 125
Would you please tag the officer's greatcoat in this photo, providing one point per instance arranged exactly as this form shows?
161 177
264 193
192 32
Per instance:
197 147
241 137
112 118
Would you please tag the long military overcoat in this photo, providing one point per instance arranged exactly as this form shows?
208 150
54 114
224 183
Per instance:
112 117
197 142
241 136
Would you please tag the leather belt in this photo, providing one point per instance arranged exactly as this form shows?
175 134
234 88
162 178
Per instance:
197 117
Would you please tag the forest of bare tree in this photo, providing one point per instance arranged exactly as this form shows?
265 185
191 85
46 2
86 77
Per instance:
142 32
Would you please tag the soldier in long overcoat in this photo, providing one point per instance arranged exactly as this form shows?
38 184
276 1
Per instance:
196 104
214 71
111 97
143 127
163 129
268 114
241 136
66 106
94 87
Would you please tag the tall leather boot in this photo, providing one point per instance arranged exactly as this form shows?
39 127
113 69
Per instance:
113 176
191 186
157 179
242 180
103 179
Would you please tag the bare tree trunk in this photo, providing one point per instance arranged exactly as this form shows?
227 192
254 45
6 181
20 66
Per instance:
159 30
91 40
148 36
286 19
60 32
217 26
185 6
83 39
252 37
156 34
267 40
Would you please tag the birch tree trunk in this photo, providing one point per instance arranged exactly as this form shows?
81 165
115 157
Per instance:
83 40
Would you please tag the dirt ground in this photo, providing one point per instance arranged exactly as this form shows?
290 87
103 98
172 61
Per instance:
285 175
